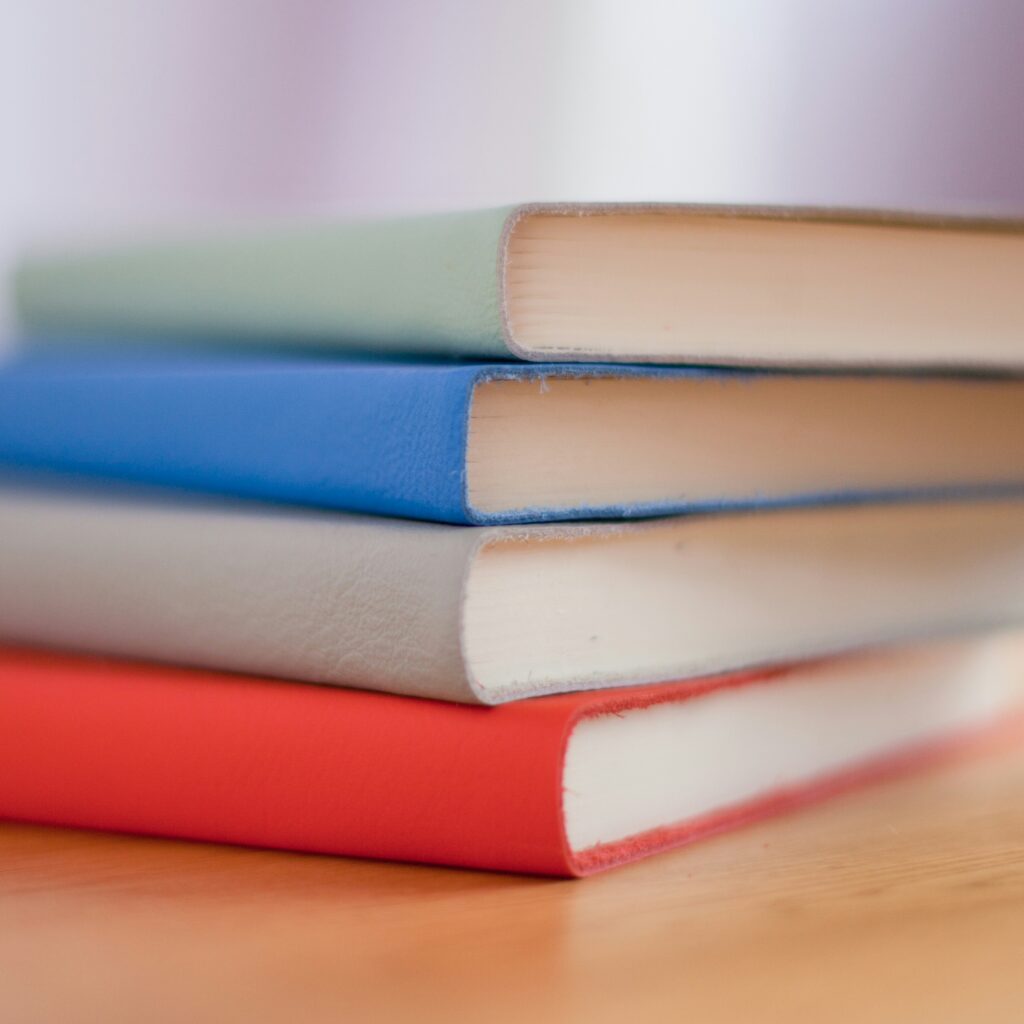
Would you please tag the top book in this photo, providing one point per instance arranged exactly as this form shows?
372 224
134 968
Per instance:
573 283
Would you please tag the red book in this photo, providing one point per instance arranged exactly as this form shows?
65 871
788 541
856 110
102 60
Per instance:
561 785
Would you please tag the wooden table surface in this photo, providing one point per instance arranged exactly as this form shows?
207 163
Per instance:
904 902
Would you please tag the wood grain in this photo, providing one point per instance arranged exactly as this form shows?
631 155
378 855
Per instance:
904 902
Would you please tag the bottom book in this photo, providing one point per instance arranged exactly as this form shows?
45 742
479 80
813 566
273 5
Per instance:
563 785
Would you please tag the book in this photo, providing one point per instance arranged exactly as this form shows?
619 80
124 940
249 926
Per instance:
557 786
571 282
491 443
496 613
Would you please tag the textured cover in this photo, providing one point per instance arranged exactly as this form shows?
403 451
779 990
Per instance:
381 437
380 603
378 437
375 603
416 284
164 751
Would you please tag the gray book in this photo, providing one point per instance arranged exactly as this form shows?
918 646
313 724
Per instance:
498 613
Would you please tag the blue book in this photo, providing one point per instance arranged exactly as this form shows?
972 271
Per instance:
497 442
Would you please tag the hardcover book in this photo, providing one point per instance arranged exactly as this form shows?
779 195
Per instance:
510 442
592 283
556 786
497 613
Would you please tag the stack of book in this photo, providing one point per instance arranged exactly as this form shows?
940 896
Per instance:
535 539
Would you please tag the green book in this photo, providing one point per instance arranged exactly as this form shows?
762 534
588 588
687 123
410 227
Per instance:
583 283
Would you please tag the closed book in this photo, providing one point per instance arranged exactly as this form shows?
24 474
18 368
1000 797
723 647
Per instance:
490 443
497 613
565 282
556 786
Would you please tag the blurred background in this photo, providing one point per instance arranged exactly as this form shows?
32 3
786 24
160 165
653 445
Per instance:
118 113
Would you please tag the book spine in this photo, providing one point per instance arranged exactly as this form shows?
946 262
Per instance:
388 440
315 597
163 751
420 284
